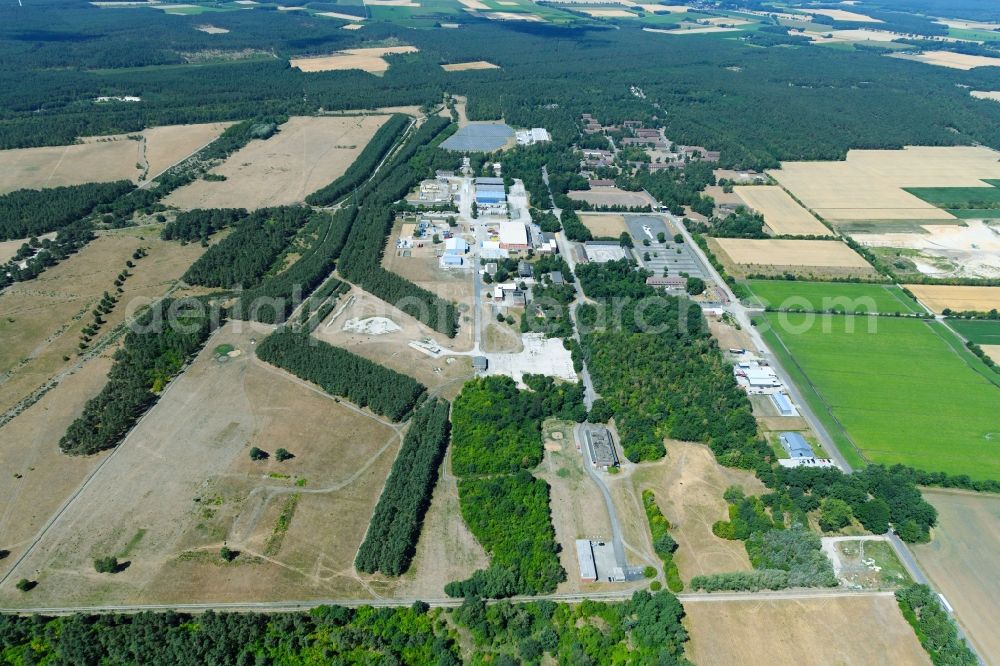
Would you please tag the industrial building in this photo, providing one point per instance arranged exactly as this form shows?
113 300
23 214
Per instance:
513 236
753 376
456 246
783 404
585 557
532 136
601 447
667 281
795 445
490 191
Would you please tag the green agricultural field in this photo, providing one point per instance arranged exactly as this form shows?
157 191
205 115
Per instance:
987 197
858 298
901 394
980 331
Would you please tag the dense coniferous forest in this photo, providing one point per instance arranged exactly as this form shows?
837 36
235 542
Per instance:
341 373
362 167
392 535
645 629
243 257
34 212
160 343
201 224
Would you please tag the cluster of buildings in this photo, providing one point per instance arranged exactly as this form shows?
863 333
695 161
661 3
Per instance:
415 234
756 377
455 250
531 136
672 155
436 191
491 196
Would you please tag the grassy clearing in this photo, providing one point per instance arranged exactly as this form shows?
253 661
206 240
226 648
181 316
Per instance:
901 394
980 331
859 298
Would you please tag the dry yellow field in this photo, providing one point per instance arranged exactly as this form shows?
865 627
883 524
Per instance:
103 158
608 13
370 60
843 15
838 630
953 60
352 26
306 154
699 30
392 3
465 66
940 296
511 16
338 15
963 562
782 214
993 95
604 225
768 252
993 351
868 184
474 4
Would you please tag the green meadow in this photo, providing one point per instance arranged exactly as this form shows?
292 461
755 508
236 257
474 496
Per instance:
901 394
858 298
980 331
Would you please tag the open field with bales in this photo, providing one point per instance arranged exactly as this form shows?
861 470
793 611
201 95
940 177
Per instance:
805 258
963 562
371 60
840 630
182 485
782 214
897 390
104 158
611 224
306 154
41 320
858 298
956 297
869 185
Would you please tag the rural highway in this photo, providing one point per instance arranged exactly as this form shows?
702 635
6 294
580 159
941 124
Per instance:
620 594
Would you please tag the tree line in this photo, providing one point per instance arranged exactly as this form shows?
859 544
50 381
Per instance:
395 525
37 255
663 543
161 342
363 166
25 213
200 224
937 632
341 373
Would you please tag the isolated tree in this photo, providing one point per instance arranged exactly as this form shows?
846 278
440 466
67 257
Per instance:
282 455
258 454
694 286
106 564
678 238
228 554
661 237
625 240
24 584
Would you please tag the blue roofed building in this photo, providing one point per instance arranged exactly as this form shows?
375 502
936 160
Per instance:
796 445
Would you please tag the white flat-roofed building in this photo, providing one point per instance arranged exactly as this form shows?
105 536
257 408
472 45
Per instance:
585 557
513 236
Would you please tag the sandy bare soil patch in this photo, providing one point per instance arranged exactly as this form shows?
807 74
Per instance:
939 296
608 13
104 158
993 95
612 196
211 29
183 483
844 15
944 250
475 4
306 154
352 26
688 484
466 66
963 562
775 252
782 214
369 60
868 184
40 320
392 349
604 224
840 630
952 60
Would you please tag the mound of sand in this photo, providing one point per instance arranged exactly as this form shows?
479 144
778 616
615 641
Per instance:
372 326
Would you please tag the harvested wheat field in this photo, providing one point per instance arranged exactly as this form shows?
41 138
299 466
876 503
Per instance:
104 158
865 629
341 16
182 484
370 59
475 4
963 562
993 95
960 298
306 154
604 225
843 15
869 184
952 60
993 351
608 13
40 320
392 3
466 66
688 485
352 26
802 257
782 214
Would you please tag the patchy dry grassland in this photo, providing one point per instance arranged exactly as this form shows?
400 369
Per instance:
604 224
839 630
306 154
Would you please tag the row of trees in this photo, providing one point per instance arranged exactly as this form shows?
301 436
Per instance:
341 373
363 166
395 526
663 543
935 630
26 213
161 341
243 257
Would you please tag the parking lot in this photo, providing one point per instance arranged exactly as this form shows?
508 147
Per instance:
677 258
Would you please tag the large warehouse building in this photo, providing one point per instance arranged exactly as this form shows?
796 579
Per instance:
490 191
513 236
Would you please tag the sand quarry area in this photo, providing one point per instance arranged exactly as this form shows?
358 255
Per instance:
466 66
869 184
950 250
782 214
306 154
103 158
961 298
370 60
